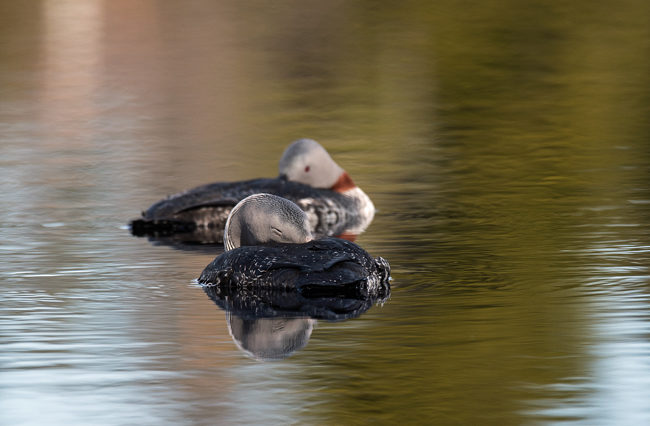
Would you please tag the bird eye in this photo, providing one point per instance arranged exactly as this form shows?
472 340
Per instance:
276 231
307 169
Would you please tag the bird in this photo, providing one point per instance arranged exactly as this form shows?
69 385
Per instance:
308 176
268 243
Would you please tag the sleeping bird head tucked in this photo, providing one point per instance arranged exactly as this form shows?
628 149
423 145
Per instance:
261 219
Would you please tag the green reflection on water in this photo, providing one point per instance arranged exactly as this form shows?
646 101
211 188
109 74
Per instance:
508 140
504 144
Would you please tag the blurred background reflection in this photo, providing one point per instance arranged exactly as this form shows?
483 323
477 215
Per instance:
505 145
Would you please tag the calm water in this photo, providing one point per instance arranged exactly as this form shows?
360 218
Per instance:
506 147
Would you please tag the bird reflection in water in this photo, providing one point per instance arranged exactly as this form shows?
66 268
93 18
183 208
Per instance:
272 324
268 339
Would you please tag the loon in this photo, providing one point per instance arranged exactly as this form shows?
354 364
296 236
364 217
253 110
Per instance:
308 176
268 243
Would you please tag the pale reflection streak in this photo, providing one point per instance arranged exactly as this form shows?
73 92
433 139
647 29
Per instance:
72 54
617 382
621 326
58 367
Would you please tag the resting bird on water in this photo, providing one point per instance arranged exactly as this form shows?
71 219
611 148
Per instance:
268 242
308 176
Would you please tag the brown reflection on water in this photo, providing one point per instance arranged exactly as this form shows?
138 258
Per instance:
71 71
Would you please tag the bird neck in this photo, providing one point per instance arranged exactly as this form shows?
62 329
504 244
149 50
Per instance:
344 183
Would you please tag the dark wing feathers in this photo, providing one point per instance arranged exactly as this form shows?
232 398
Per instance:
205 195
225 193
216 276
338 258
226 202
208 206
325 262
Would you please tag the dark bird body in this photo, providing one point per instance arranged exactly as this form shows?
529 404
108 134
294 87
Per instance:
328 264
206 208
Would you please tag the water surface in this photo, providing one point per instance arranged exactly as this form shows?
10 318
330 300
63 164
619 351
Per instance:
505 146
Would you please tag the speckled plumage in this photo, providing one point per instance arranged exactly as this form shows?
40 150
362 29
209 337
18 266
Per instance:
323 263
